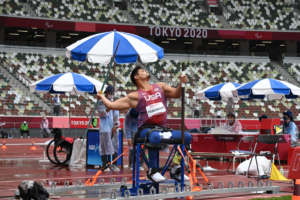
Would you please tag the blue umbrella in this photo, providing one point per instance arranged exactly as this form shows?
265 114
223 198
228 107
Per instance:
270 88
218 92
100 48
67 83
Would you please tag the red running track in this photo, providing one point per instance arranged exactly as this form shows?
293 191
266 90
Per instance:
18 163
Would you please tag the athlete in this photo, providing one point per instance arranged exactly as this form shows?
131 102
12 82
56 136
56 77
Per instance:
151 102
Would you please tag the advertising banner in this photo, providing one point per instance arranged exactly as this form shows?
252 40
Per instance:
92 155
82 122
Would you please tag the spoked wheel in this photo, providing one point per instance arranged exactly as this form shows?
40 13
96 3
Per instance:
63 152
50 152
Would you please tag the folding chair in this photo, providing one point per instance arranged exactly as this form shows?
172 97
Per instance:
14 132
246 152
266 139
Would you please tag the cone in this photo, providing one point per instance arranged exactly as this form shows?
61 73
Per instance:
296 194
33 147
277 176
3 145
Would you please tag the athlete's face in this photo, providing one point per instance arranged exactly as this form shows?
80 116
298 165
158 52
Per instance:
143 74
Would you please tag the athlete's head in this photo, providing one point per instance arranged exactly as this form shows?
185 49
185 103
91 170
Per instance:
139 74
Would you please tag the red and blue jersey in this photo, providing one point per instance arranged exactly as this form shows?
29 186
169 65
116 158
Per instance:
152 106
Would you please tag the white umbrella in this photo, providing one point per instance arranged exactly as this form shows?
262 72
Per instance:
270 88
218 92
70 82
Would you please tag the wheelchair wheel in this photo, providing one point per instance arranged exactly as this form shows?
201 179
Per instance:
50 151
63 152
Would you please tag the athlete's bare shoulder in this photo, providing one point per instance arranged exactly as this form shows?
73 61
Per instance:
160 84
133 95
133 98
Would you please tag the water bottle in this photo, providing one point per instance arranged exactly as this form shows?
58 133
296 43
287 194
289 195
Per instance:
281 170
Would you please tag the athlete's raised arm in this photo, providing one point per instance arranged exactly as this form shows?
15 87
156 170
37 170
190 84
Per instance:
171 92
130 101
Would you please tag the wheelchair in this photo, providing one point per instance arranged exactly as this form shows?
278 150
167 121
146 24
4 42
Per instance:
143 186
59 150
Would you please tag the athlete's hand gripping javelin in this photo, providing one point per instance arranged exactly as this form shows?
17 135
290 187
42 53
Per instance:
142 79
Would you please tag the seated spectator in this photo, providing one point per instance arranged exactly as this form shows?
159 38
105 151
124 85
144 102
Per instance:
24 129
45 127
234 125
290 128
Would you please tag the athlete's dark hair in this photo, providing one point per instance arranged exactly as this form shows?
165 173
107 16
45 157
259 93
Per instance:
135 72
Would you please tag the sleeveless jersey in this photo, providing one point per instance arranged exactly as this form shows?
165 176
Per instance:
152 105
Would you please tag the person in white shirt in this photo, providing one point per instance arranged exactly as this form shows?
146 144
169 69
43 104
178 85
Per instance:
233 124
56 109
108 131
45 127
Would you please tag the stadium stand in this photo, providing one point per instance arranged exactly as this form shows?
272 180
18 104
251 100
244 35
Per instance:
33 67
172 13
203 74
15 101
92 10
260 14
293 69
257 14
12 7
30 67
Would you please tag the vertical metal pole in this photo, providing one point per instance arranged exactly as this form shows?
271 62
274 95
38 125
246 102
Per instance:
182 105
114 84
149 66
182 127
134 163
69 114
268 106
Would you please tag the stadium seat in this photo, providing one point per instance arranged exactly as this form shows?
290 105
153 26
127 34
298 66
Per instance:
12 7
260 14
91 10
172 13
201 74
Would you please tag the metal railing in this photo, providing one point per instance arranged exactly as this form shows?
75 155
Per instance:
220 53
32 44
12 70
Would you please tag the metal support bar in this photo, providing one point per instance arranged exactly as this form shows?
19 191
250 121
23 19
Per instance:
165 195
78 187
83 187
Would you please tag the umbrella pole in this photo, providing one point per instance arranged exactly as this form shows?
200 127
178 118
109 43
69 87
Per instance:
114 83
267 107
149 71
69 114
182 105
182 123
90 121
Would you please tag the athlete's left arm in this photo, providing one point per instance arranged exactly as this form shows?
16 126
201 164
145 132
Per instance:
171 92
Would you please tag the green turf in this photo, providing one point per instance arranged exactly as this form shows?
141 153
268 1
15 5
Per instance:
289 197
